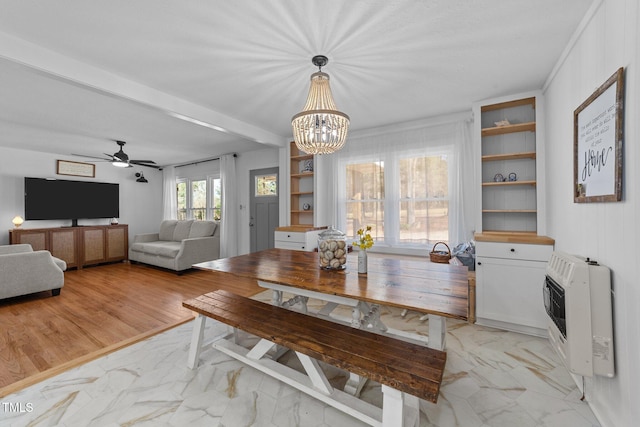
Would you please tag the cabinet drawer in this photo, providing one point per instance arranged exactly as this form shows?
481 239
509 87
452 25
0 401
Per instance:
290 236
296 246
514 251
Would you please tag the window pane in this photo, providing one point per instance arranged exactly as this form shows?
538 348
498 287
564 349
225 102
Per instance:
216 193
438 221
424 177
423 222
365 195
365 181
363 214
199 199
266 185
181 189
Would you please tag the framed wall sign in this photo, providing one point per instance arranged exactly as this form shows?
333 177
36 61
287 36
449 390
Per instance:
65 167
597 143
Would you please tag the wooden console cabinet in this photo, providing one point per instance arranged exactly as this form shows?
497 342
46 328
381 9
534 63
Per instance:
78 246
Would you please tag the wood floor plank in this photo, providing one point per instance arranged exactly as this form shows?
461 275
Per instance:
100 309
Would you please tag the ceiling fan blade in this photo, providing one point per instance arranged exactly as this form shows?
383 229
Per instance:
143 161
137 162
92 157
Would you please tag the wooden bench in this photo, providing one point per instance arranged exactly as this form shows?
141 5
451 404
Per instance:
399 366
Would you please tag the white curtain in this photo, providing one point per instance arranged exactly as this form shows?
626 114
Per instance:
448 136
169 196
229 223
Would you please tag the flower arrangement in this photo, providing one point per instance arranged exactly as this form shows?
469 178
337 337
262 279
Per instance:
365 241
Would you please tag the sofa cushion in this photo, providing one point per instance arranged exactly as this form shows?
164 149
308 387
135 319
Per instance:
161 248
182 230
14 249
202 229
167 227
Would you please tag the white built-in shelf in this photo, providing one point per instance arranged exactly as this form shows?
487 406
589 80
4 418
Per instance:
507 183
509 156
501 130
509 211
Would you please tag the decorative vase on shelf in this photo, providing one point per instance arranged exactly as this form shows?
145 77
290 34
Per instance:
362 261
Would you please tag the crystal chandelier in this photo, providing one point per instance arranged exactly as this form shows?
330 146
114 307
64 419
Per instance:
320 128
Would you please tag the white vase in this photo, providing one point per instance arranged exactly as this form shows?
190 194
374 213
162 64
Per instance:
362 261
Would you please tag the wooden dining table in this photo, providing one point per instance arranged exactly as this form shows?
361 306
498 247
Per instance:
437 290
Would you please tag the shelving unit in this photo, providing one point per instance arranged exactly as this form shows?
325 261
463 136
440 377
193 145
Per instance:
509 205
301 234
511 249
301 187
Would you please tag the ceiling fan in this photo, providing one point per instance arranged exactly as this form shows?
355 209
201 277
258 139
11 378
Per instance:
121 159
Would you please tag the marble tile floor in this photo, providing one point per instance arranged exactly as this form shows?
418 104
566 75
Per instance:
493 378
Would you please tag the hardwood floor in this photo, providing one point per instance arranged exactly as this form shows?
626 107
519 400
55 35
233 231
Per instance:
99 310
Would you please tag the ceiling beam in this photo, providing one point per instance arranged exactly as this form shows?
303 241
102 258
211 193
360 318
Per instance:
61 67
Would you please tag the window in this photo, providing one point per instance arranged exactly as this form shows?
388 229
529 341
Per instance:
199 199
266 185
404 197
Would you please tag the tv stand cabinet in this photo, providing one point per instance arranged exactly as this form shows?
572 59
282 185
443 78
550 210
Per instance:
78 246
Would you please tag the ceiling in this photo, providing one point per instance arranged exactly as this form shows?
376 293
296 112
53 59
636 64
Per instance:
181 81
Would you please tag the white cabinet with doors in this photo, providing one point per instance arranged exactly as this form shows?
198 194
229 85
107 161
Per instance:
509 279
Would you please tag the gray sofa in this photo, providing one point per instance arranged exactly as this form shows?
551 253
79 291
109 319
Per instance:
24 271
178 245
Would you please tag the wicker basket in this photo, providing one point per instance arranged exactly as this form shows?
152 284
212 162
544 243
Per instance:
441 257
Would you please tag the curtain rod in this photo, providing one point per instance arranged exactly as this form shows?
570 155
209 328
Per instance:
201 161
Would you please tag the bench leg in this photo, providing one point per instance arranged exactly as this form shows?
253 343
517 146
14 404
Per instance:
196 341
260 349
317 377
437 332
392 407
354 384
327 309
276 298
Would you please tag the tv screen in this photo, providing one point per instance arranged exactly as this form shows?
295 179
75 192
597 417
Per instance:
62 199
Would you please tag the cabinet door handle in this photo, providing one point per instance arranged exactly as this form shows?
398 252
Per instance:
479 263
513 250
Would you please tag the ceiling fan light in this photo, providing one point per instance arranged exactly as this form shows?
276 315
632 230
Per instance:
320 128
120 164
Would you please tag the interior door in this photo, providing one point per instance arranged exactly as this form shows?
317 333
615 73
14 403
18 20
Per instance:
263 207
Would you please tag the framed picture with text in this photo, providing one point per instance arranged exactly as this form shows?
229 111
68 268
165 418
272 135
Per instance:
65 167
597 143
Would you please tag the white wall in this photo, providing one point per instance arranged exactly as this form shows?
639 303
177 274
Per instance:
140 204
606 232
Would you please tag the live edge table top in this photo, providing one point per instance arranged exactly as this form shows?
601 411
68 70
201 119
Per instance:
427 287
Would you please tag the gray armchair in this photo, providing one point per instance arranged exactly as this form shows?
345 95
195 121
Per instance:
24 271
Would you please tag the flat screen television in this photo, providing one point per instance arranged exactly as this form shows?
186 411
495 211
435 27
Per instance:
64 199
